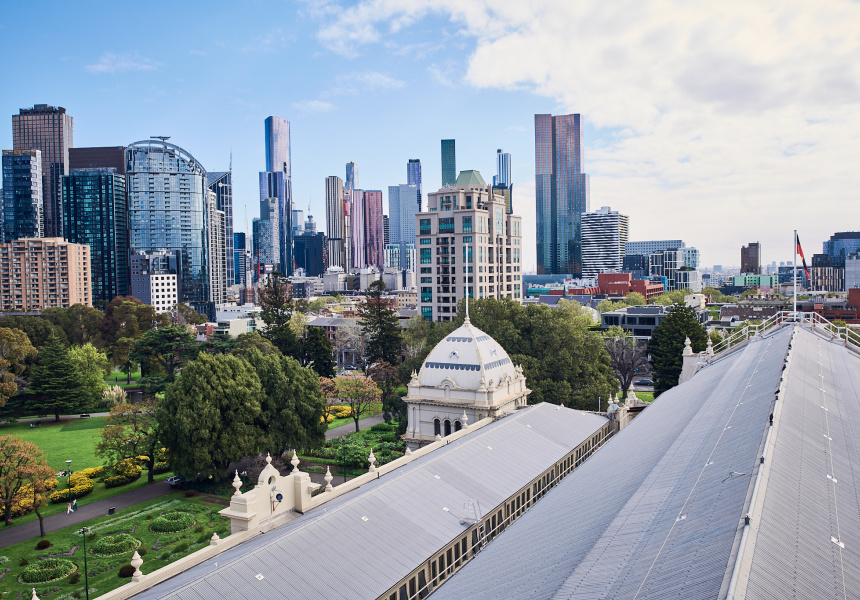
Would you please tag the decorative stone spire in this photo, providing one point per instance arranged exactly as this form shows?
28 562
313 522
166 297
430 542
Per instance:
688 348
483 386
414 380
710 349
328 479
237 483
465 420
295 462
438 437
213 541
408 451
136 561
371 459
268 458
35 597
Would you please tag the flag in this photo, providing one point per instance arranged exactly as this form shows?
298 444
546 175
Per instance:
802 258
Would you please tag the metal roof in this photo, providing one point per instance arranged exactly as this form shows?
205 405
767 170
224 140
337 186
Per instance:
361 544
658 511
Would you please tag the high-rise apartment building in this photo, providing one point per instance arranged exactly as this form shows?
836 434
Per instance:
751 259
334 220
651 246
503 168
400 257
47 272
22 195
354 199
466 241
413 177
267 250
298 221
264 241
561 193
168 210
373 235
276 182
156 279
217 248
50 130
351 181
449 163
604 234
386 229
677 268
221 184
98 157
278 158
240 258
310 251
401 209
95 213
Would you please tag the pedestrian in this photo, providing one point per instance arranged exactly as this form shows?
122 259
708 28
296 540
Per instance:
75 505
68 508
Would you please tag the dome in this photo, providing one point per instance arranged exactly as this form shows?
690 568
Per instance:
465 356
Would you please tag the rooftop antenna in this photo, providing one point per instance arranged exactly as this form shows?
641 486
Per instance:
231 160
163 138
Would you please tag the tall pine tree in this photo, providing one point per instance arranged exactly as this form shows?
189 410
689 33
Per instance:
379 323
277 307
57 379
667 345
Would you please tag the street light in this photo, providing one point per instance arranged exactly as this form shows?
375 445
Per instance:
69 471
84 531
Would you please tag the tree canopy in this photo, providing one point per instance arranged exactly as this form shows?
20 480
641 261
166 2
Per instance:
164 351
57 379
667 345
128 317
277 311
22 466
80 323
379 323
357 392
628 356
317 352
130 431
93 366
15 348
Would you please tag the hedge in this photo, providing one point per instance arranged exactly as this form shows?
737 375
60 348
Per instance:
111 545
118 480
81 486
172 522
50 569
160 467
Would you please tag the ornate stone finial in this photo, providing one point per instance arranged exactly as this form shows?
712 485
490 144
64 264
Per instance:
408 451
710 349
268 458
483 386
136 561
237 483
688 348
295 462
465 420
371 459
438 437
328 479
35 597
213 541
414 380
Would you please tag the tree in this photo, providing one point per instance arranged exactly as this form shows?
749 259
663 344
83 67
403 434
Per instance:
80 323
667 345
93 366
121 356
634 299
207 417
15 348
316 305
329 392
357 392
607 305
299 324
128 317
291 406
317 352
22 466
38 330
131 431
166 350
350 340
183 314
253 339
277 311
379 323
218 343
415 335
385 376
628 356
57 379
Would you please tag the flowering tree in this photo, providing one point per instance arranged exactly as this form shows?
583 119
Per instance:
357 392
329 392
23 474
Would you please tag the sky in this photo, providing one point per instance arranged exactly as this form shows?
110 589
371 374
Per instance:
718 123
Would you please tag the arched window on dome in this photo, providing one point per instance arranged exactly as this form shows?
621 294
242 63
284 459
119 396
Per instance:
447 427
437 427
458 426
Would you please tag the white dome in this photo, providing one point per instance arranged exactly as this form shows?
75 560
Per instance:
465 356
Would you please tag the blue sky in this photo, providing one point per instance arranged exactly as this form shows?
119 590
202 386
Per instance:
721 125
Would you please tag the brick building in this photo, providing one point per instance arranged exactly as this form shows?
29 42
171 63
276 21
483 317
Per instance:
37 273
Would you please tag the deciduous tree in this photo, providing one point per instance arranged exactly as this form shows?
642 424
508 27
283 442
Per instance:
128 317
667 345
167 349
80 323
385 376
379 323
628 356
93 366
38 330
131 431
277 311
183 314
57 379
22 466
357 392
253 339
15 348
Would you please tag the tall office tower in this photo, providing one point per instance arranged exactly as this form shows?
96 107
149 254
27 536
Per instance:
503 168
310 253
355 200
310 226
271 255
50 130
449 163
466 242
221 183
240 264
386 229
413 177
374 237
95 213
298 221
98 157
751 258
334 221
561 193
42 273
276 182
401 209
604 233
22 195
155 278
264 241
217 248
351 181
167 198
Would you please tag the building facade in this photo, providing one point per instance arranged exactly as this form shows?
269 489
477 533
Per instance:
751 258
41 273
240 263
413 177
217 248
310 253
449 163
401 207
604 235
561 193
221 184
278 157
278 186
357 243
502 185
50 130
675 269
22 195
334 219
400 257
155 279
649 247
95 213
99 157
374 237
466 241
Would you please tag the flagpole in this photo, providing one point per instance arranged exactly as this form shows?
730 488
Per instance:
795 273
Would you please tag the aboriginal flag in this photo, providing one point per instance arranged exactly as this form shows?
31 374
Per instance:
800 252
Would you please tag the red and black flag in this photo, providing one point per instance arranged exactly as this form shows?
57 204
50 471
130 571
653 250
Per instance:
802 258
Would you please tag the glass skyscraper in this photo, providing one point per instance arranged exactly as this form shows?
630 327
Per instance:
334 222
22 195
561 193
167 197
413 177
276 182
503 168
401 209
374 236
240 265
95 213
278 145
449 163
221 184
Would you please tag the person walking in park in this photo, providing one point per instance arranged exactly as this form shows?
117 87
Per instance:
68 508
75 505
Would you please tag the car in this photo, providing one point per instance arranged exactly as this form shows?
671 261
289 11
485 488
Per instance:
350 368
175 481
643 382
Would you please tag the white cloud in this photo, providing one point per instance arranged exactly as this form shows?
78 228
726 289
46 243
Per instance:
440 75
313 105
366 81
111 62
721 123
197 53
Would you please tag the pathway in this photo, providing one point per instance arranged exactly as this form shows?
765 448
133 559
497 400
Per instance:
336 432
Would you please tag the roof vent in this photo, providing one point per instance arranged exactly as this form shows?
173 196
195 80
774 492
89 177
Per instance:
259 577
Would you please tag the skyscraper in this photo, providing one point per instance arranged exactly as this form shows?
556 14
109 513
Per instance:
355 202
310 253
278 146
561 193
401 209
604 234
50 130
268 250
240 264
216 228
751 258
503 168
351 181
334 221
449 163
413 177
99 157
276 182
95 211
386 229
373 234
221 183
22 195
264 244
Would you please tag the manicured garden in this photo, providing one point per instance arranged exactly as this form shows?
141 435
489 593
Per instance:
349 454
161 531
69 439
371 410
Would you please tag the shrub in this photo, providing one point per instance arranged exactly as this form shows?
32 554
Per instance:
118 480
80 486
190 493
92 537
50 569
198 529
182 547
23 502
4 560
111 545
203 538
75 578
43 544
128 468
91 473
141 552
160 467
162 455
126 571
23 562
172 522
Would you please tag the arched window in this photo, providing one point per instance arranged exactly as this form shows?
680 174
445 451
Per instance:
458 426
447 427
437 427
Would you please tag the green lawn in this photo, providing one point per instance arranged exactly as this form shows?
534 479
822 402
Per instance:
645 396
156 549
121 379
374 409
71 439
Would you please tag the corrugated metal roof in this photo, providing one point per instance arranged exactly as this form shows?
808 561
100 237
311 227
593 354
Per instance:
331 552
657 512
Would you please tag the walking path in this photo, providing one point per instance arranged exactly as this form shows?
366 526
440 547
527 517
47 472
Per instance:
337 432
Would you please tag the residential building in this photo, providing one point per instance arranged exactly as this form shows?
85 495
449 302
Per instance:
373 234
221 184
39 273
466 241
354 200
334 217
636 265
401 207
240 258
604 234
674 268
827 273
310 226
561 193
268 248
505 191
156 279
502 185
751 258
216 238
168 211
762 282
22 195
400 256
641 321
649 247
278 145
50 130
843 243
449 163
298 221
95 211
98 157
413 177
351 181
386 230
310 253
852 272
278 186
